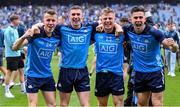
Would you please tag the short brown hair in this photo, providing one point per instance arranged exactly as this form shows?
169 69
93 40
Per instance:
75 7
138 9
14 17
50 12
107 10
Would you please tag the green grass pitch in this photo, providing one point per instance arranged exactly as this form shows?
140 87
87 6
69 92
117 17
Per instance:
171 94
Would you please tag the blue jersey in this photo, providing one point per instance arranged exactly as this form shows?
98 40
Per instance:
75 44
10 37
145 48
40 50
109 53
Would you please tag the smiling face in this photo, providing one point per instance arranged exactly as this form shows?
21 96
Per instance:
50 22
76 18
108 20
138 18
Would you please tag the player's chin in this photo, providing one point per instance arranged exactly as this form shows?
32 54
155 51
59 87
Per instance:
50 30
76 23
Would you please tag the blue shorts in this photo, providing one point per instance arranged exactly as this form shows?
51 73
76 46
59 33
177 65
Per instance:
153 81
107 83
33 85
77 78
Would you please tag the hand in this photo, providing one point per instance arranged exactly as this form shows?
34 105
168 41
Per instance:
118 30
174 47
100 28
35 29
28 33
170 41
167 42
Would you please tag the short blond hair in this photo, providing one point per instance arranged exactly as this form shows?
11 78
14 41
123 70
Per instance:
107 10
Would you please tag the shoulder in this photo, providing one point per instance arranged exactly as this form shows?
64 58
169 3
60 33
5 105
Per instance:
128 27
154 31
35 36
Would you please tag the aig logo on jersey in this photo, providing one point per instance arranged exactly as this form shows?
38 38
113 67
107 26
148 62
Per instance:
77 39
45 53
108 48
139 46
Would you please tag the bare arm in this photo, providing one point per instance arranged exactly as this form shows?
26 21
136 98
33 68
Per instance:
22 41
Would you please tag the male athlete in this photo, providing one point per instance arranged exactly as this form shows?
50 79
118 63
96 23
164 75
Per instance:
147 63
109 62
40 49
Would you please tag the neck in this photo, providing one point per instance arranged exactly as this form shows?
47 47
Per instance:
76 27
12 24
108 30
49 34
139 30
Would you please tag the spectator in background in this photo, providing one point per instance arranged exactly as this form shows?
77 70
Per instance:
21 30
171 56
13 58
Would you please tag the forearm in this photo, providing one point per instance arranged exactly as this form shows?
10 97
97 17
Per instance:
19 43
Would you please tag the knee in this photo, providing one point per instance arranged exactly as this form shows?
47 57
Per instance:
157 102
118 103
63 104
84 103
142 103
102 104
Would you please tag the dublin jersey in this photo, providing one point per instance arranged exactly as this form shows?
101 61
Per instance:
75 44
109 52
40 50
146 48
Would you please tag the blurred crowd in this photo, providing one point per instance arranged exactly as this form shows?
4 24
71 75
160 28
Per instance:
32 13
